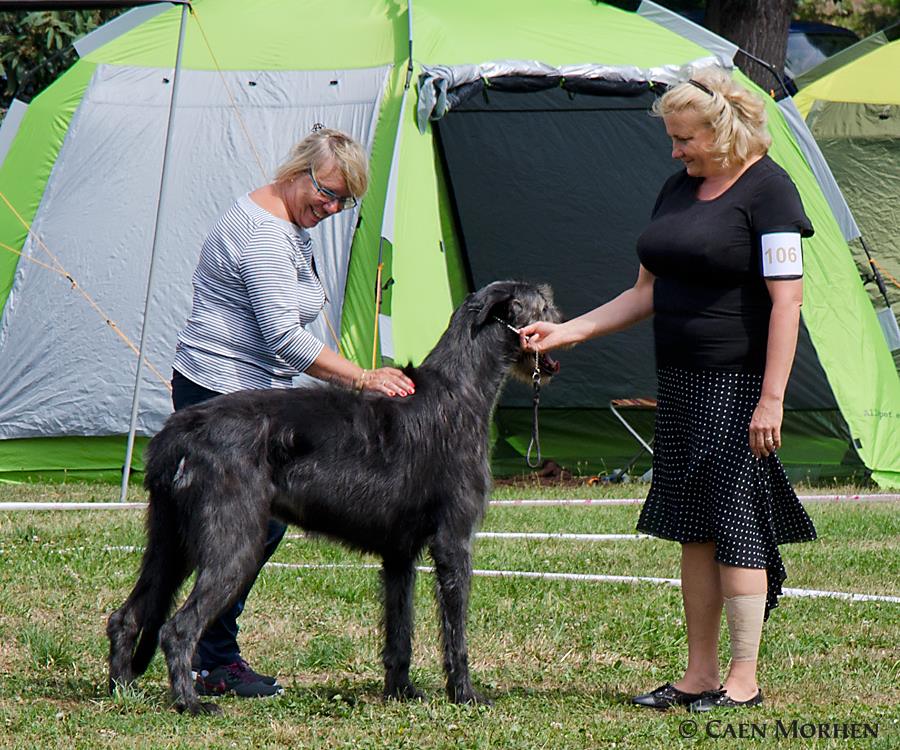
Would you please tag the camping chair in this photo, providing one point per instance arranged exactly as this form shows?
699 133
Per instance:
616 405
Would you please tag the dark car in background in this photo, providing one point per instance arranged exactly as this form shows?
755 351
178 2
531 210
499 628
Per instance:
810 42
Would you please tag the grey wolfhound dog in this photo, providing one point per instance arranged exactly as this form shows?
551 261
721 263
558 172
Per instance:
383 475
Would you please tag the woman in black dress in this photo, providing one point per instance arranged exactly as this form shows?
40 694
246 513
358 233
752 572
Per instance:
721 274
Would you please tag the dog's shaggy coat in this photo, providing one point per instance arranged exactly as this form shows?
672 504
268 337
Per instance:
387 476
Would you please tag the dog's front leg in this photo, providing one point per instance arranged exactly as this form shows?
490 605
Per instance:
453 569
398 578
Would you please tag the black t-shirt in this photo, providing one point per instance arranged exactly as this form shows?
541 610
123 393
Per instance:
710 301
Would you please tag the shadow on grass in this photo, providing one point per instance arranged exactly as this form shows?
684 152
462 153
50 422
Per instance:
88 691
600 695
342 700
60 687
370 692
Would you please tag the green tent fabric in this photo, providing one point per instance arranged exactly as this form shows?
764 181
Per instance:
868 79
847 55
861 143
853 112
424 248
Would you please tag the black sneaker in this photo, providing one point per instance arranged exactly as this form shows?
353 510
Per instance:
237 678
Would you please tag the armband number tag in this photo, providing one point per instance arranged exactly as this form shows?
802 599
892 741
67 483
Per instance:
781 255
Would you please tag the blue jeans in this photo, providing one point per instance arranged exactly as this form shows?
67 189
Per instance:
218 644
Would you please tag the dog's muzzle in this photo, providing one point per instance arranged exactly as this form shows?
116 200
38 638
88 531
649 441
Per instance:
547 365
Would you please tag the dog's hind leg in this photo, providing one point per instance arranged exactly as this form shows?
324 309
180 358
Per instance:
453 570
122 629
141 616
398 578
225 571
163 570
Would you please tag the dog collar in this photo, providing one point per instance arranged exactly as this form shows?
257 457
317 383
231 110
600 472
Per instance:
514 330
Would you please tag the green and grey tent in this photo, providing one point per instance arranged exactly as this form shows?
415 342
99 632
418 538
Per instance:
506 140
852 106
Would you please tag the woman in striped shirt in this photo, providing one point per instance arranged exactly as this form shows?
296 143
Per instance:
255 290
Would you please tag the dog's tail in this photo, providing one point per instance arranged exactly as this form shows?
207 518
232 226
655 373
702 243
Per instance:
163 569
166 562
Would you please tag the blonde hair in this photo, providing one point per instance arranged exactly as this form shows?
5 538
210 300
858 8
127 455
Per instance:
736 116
323 144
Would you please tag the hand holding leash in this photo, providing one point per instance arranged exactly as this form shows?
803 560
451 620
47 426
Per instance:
542 336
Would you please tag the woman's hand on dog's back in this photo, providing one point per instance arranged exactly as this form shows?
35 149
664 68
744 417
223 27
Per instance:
332 367
387 380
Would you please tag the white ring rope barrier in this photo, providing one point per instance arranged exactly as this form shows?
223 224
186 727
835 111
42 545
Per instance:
589 577
850 499
594 577
107 505
543 535
71 506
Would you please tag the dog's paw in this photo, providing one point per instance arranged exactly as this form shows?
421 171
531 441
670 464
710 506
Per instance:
197 708
406 692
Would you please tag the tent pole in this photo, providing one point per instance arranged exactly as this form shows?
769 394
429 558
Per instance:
876 274
388 214
136 396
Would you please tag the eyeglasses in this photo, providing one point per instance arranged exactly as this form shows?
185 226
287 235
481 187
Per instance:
346 202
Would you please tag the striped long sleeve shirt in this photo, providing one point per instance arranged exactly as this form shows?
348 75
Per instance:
254 291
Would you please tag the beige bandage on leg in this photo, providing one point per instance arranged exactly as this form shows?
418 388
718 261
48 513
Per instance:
745 621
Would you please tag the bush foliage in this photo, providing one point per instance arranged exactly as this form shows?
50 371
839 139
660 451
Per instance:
36 47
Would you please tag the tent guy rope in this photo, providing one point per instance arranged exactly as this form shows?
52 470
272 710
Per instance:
58 268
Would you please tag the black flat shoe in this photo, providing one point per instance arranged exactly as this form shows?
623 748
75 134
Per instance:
715 699
665 696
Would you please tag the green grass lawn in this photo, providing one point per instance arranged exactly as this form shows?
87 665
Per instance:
559 658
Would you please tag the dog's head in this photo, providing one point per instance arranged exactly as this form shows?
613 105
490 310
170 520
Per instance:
511 305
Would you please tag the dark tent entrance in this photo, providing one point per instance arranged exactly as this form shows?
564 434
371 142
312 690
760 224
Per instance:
554 186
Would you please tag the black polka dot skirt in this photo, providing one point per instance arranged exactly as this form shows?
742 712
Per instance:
707 485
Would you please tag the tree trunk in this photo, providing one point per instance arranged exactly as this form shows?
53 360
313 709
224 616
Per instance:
758 26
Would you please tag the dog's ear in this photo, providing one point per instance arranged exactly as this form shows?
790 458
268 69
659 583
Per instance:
546 292
492 300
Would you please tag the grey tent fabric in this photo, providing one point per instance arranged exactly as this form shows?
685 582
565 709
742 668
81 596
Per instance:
9 126
820 169
67 371
436 81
